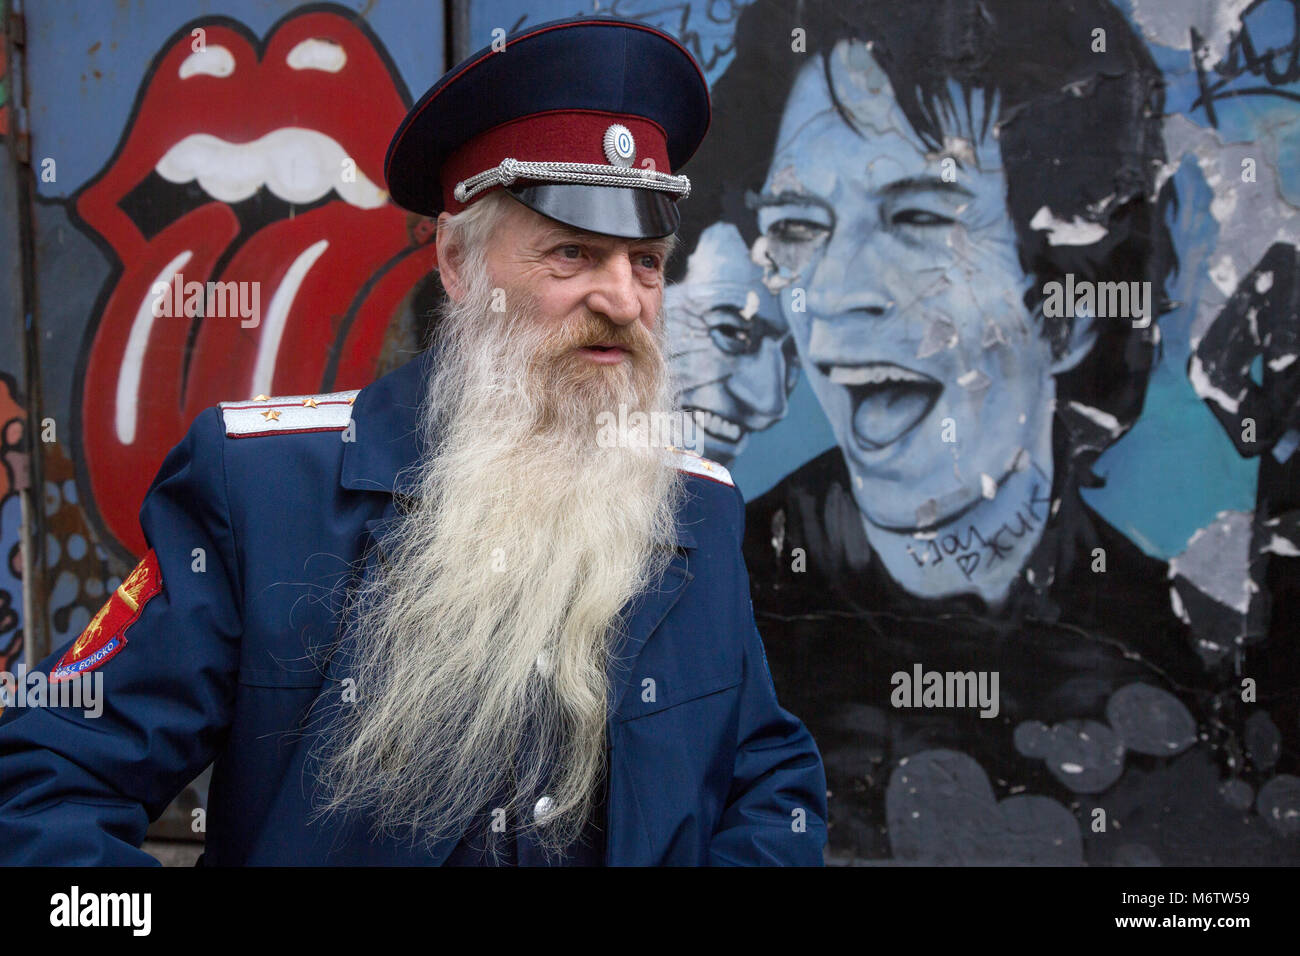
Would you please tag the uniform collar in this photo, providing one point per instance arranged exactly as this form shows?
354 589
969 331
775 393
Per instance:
386 434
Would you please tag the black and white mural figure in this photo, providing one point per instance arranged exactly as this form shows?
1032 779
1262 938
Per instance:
1259 409
1245 369
729 346
960 211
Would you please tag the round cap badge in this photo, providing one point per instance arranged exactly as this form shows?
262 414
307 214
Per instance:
620 147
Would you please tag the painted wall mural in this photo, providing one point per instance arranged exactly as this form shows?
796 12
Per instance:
257 167
991 306
14 471
1026 273
968 232
14 453
209 224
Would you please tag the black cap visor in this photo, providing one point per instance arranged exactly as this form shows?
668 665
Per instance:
627 212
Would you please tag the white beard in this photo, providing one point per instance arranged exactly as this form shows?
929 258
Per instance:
484 646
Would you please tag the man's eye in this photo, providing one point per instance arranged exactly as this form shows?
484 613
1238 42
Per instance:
796 230
920 217
570 251
649 260
732 339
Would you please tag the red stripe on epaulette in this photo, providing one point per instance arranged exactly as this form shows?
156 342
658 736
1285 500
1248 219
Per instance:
719 481
285 431
105 635
258 406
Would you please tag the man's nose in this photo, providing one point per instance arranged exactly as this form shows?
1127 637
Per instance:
852 279
759 381
614 292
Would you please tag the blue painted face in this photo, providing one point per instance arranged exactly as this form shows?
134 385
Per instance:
730 347
897 272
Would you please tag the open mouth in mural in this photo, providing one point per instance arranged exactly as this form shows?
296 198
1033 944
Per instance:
888 401
716 426
285 173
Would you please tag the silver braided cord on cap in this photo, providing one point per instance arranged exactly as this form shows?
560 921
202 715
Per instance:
585 174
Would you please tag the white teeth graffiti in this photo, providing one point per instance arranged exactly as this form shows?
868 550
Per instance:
716 425
296 165
875 373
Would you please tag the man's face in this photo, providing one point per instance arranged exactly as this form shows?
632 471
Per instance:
903 290
729 344
600 295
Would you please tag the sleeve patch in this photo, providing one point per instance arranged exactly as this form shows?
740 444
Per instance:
105 635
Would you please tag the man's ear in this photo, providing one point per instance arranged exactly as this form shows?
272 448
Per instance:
449 259
1083 336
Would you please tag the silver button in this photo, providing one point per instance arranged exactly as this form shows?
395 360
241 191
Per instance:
620 147
542 809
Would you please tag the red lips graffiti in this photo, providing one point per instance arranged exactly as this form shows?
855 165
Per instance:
249 169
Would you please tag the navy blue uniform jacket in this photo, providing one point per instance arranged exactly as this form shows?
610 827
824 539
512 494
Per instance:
706 769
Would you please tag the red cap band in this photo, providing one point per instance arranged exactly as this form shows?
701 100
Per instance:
556 136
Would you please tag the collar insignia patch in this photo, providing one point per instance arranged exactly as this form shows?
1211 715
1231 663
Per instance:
691 463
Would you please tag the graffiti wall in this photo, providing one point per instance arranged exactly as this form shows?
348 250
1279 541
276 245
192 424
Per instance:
209 224
234 160
991 308
14 460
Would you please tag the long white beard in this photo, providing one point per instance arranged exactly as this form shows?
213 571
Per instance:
484 645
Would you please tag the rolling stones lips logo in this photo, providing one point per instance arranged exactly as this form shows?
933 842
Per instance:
247 167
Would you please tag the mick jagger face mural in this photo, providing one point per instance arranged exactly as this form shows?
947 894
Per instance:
914 180
904 291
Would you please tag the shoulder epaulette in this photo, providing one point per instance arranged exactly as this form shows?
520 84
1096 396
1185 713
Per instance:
288 414
694 464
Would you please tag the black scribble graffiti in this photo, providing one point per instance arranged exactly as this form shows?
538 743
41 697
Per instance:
722 13
976 548
682 21
1242 57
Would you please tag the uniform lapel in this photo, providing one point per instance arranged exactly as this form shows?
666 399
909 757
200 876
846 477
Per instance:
643 615
382 439
385 432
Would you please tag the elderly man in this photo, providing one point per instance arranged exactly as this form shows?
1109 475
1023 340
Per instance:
444 619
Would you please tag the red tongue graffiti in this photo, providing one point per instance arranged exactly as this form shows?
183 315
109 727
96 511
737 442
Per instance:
328 280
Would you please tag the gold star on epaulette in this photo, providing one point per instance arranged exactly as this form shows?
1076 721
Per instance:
262 398
351 399
271 414
310 402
